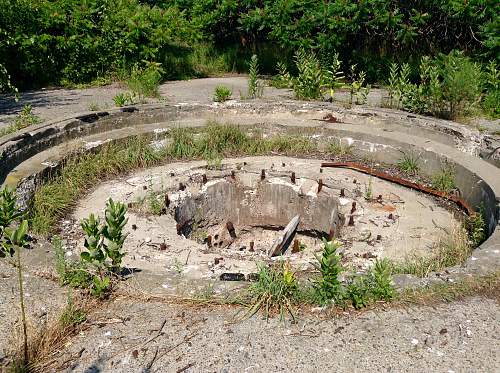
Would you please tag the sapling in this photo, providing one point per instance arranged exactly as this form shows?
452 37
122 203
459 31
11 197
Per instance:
13 236
104 243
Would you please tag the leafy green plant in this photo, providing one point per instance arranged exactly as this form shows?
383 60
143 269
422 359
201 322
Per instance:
307 85
444 180
24 119
13 237
104 243
491 100
276 290
333 76
409 164
255 88
339 149
380 280
124 99
144 82
328 287
222 93
358 88
477 227
72 314
282 79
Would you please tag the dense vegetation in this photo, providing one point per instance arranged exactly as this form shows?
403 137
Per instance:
78 41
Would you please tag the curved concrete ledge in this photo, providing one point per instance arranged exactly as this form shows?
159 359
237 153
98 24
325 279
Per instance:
381 140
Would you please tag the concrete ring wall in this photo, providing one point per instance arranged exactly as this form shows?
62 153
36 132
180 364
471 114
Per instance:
477 180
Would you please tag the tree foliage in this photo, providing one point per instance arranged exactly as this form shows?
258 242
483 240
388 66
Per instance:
74 41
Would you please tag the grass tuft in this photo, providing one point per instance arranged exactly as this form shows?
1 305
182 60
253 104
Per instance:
451 250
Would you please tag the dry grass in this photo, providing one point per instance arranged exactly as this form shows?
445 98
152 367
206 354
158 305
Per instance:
452 249
485 286
45 343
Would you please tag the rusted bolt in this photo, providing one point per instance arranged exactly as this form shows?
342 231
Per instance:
144 187
320 185
262 174
353 207
379 198
204 179
163 246
129 205
167 200
351 221
182 186
209 241
251 246
391 216
233 174
296 246
320 170
342 192
172 174
292 178
230 229
134 227
379 237
354 181
283 164
217 260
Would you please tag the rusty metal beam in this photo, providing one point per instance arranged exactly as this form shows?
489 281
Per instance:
385 176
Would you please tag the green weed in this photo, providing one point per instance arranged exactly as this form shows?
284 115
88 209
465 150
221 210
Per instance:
339 149
451 250
477 227
24 119
222 93
444 180
307 85
124 99
13 237
328 287
255 87
276 291
409 164
144 82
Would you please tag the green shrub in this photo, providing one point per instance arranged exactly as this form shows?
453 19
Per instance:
24 119
276 290
222 93
282 79
477 227
144 82
307 85
124 99
444 180
255 88
491 100
328 287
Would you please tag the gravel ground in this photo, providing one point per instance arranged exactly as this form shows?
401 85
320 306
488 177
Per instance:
456 337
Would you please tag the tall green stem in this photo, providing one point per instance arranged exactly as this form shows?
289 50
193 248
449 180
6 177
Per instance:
21 302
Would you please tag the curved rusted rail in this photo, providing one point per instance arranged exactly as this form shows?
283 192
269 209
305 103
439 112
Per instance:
385 176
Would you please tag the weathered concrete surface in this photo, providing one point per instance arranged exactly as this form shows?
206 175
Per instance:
454 337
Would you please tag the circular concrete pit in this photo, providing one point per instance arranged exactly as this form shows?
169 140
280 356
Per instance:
388 220
396 222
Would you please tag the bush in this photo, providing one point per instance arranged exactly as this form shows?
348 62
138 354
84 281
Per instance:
450 86
255 88
144 82
328 287
307 85
222 94
124 99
